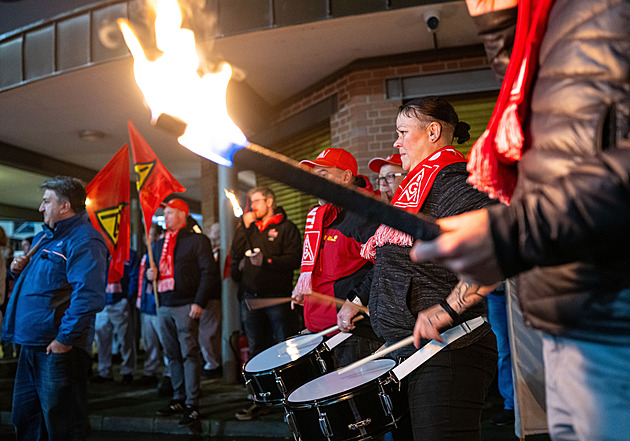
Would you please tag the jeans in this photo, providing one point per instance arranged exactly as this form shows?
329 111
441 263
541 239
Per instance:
258 323
448 392
50 395
587 390
497 316
179 335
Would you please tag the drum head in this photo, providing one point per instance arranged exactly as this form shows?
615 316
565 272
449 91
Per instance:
332 383
283 353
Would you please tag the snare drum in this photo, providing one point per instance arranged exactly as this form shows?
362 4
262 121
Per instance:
365 402
276 371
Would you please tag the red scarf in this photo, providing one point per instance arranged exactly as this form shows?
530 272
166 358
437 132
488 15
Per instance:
166 282
493 157
143 268
275 219
410 196
316 220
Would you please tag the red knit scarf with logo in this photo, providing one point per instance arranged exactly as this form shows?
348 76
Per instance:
316 220
410 196
166 282
492 160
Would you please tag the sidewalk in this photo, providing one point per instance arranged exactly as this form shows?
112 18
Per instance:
132 408
114 407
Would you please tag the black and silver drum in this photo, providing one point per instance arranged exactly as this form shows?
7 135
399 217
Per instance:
365 402
272 374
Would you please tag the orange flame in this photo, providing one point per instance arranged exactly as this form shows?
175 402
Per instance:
238 211
172 85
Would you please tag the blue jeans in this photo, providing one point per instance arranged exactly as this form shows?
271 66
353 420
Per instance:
587 389
258 323
497 316
448 392
50 395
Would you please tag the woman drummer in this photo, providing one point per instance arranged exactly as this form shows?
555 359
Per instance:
447 393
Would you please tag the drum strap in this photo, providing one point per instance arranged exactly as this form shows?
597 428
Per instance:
337 339
433 347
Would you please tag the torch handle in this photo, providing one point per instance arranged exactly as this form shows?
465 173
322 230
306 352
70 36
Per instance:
288 171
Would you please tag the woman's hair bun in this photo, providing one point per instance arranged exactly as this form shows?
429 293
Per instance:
461 132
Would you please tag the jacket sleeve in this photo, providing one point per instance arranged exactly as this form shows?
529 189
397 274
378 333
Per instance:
208 273
497 29
237 252
583 215
86 271
134 273
292 251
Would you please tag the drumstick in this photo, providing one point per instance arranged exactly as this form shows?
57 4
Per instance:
264 303
272 301
307 341
379 354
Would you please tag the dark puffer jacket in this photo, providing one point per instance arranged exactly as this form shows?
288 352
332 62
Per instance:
567 223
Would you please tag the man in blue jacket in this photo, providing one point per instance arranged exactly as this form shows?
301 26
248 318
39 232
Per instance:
60 288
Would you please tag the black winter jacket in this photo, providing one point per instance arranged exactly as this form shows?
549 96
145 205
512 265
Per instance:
281 246
196 274
567 225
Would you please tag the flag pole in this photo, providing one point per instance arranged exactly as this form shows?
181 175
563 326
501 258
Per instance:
151 261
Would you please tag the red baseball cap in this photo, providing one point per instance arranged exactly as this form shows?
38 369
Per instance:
376 163
179 205
334 157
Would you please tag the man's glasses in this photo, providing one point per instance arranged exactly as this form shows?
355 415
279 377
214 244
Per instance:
388 178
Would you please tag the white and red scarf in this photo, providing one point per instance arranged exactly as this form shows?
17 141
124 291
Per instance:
410 196
166 282
493 157
316 220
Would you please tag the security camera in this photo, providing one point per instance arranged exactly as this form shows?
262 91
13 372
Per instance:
432 19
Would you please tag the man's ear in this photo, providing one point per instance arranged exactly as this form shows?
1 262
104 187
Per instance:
65 207
347 177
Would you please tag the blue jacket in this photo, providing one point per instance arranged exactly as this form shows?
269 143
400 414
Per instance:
59 292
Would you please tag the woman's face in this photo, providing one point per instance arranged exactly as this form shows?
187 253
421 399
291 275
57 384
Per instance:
413 141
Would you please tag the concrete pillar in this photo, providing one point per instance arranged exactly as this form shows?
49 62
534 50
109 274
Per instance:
231 365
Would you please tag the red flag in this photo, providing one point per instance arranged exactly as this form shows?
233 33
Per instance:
108 208
154 182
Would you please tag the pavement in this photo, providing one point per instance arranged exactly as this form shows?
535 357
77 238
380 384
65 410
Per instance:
116 407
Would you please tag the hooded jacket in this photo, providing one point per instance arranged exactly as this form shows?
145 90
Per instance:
566 226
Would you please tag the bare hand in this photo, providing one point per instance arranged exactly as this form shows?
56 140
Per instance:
256 259
478 7
465 246
429 323
297 298
195 311
248 218
19 263
57 348
241 264
345 315
150 275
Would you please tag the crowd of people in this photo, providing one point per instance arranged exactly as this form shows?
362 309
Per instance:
559 182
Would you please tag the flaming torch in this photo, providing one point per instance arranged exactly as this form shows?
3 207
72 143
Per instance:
238 212
193 106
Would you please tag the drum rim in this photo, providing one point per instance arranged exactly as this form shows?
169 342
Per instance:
284 365
328 399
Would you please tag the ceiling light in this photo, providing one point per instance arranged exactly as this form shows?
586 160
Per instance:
91 135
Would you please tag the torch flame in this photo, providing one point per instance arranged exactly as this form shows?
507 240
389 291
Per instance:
172 85
238 211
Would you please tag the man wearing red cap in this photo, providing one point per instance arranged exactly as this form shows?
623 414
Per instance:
390 175
331 260
185 280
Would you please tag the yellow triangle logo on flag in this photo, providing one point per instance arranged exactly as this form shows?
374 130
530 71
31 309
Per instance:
144 170
109 220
